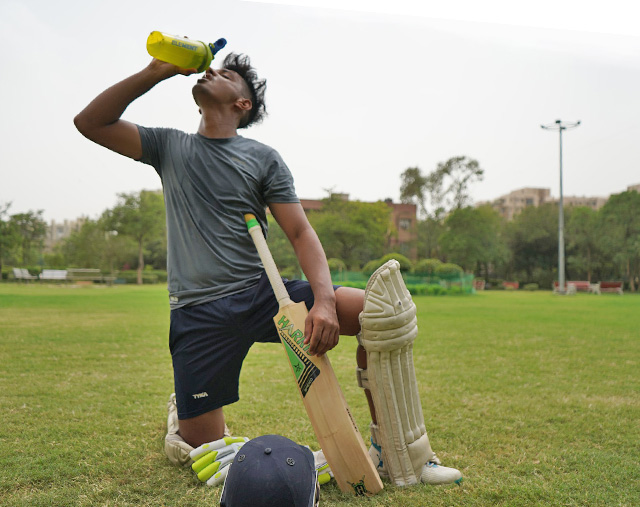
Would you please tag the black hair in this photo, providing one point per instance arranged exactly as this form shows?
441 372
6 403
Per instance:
241 64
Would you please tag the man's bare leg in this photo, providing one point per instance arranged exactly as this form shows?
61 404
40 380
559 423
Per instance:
349 304
203 428
185 434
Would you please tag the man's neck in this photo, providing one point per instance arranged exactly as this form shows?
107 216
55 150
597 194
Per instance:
216 125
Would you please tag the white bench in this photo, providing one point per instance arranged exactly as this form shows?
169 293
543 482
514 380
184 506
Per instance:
23 274
88 275
84 275
56 275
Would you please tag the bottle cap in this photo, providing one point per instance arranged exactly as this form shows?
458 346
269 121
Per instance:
217 46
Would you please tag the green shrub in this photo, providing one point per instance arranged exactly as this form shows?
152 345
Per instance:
405 264
355 285
417 289
148 276
455 290
290 273
336 264
531 286
370 267
426 266
7 272
448 269
436 290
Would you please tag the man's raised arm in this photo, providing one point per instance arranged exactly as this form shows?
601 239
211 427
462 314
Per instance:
100 120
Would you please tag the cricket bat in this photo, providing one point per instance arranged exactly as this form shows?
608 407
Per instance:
323 399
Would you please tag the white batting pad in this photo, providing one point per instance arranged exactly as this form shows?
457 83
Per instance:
388 329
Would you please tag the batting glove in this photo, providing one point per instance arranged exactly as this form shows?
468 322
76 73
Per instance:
322 467
211 461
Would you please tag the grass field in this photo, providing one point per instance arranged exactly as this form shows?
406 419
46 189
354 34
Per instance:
535 397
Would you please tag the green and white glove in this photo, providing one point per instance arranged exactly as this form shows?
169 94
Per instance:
322 467
211 461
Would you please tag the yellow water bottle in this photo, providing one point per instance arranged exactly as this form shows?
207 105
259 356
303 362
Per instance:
182 52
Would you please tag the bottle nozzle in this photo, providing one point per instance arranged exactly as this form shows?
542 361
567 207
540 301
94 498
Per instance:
217 45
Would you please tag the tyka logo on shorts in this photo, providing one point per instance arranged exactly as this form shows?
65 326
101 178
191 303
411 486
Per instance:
200 395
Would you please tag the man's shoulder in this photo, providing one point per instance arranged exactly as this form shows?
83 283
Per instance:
162 132
264 151
247 141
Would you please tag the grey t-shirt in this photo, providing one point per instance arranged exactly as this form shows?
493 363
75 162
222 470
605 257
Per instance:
208 185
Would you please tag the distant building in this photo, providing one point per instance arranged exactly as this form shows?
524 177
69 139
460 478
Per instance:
595 203
509 205
404 217
634 187
57 231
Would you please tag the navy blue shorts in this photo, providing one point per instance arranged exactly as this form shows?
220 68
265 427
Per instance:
209 342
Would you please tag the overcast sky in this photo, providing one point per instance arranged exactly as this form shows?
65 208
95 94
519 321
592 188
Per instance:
357 92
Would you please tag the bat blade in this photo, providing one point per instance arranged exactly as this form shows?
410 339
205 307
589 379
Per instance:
328 412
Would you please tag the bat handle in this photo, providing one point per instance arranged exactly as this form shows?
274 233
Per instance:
269 264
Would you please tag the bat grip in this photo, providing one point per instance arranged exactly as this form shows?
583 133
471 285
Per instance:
282 296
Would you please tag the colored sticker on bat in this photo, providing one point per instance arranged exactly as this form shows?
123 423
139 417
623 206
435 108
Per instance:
359 488
304 370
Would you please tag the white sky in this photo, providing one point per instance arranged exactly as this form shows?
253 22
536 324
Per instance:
357 92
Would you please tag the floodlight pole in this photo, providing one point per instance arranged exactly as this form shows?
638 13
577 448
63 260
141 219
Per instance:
559 126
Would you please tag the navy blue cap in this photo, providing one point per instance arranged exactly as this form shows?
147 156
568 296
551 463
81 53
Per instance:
271 471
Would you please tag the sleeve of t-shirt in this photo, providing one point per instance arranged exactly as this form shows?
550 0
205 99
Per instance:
153 140
278 183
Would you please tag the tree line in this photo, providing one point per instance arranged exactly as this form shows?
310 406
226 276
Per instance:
600 245
130 235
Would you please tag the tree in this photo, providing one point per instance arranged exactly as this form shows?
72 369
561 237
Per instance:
96 245
84 247
351 230
31 229
533 239
282 251
450 182
621 228
413 189
9 236
445 189
583 236
474 239
139 216
429 232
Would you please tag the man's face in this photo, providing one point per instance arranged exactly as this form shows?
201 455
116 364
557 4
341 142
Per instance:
220 86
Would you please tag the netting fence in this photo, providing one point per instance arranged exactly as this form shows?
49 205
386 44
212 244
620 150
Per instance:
418 285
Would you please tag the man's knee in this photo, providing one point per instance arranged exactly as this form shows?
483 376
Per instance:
186 434
349 304
203 428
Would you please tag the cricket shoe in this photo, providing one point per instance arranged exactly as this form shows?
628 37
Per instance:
433 472
176 449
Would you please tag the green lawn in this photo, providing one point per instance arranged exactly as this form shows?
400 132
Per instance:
535 397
